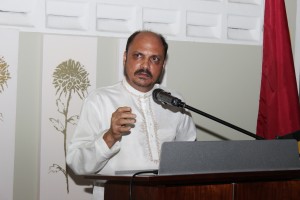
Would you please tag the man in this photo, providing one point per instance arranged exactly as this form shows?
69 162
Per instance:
120 126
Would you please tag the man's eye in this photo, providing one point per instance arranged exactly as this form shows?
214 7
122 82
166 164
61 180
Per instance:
138 55
155 59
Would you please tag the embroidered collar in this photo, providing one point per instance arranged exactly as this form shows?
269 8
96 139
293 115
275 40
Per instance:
137 93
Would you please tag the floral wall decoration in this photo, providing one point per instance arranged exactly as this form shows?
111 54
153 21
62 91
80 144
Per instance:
68 75
4 77
69 78
9 40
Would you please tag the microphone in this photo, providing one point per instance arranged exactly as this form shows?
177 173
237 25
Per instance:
164 97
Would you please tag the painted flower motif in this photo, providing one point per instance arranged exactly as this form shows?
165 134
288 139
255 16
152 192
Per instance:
70 76
4 74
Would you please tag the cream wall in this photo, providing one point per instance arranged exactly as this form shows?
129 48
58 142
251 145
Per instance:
26 176
222 80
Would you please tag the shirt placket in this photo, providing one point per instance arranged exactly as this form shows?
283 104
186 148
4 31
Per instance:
152 140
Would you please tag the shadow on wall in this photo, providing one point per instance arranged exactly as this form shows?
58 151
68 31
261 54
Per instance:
80 180
211 133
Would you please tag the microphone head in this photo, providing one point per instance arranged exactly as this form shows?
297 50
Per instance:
161 96
155 94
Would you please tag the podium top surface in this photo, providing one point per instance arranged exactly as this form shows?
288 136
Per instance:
213 178
228 156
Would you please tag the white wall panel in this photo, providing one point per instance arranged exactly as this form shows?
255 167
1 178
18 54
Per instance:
9 40
17 5
190 20
67 60
116 18
67 15
18 12
243 28
161 20
256 2
205 25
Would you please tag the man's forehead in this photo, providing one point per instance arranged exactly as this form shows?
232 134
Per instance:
146 36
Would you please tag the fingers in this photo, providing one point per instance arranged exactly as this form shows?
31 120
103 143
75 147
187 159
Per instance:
121 122
123 117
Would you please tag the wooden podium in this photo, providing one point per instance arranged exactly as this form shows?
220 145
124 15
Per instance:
265 185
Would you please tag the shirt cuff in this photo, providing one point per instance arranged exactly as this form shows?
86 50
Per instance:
104 150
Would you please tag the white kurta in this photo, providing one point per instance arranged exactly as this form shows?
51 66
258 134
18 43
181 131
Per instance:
155 124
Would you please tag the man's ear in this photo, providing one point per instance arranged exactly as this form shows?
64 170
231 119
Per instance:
163 71
124 58
164 65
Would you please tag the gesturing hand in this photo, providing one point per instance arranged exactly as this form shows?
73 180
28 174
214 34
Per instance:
122 120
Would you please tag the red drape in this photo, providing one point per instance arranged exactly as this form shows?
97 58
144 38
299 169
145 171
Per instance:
279 112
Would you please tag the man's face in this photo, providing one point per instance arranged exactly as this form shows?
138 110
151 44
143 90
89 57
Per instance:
144 61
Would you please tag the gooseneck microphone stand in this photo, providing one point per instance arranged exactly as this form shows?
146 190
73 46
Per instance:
166 98
223 122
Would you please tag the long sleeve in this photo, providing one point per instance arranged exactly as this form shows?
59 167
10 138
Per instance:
87 152
186 129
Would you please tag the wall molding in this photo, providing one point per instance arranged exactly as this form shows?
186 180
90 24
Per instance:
217 21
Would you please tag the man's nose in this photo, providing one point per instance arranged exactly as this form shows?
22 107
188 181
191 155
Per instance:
146 64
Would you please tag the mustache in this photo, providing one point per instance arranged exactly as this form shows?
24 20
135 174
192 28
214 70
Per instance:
146 71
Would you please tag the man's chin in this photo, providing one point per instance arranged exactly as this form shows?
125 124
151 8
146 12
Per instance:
143 83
